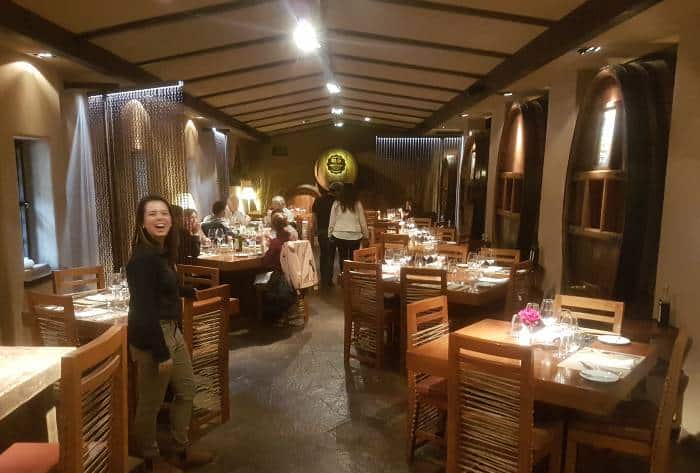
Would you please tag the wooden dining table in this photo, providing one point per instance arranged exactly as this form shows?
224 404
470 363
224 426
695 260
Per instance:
554 385
25 372
230 262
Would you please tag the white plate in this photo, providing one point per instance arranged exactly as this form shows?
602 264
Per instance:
599 376
614 339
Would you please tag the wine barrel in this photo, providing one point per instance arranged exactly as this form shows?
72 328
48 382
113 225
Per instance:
519 175
615 184
335 165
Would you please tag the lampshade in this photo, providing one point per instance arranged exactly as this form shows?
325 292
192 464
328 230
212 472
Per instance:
186 201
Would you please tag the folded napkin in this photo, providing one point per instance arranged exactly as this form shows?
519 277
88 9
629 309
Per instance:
492 280
621 362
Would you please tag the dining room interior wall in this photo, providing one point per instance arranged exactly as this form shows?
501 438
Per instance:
31 108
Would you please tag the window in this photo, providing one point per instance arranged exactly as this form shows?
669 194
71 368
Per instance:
23 193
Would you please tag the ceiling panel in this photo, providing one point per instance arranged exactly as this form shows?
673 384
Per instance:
382 108
549 9
358 111
213 63
379 121
389 88
84 15
429 25
299 116
378 97
293 123
265 20
245 79
408 75
260 93
279 102
407 54
278 111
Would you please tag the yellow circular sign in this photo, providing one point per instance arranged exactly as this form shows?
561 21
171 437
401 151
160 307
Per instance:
335 165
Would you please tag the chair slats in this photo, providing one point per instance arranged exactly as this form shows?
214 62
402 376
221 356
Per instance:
456 253
84 278
52 319
520 288
502 256
601 311
198 276
366 255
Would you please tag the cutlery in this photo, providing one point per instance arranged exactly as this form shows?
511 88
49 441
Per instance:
600 368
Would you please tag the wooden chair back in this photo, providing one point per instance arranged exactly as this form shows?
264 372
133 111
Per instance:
421 283
94 419
490 406
364 312
205 329
395 238
661 439
84 278
423 221
600 312
426 320
445 233
520 288
456 253
233 306
371 217
198 276
502 256
366 255
52 319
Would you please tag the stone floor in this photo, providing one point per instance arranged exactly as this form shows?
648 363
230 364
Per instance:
294 408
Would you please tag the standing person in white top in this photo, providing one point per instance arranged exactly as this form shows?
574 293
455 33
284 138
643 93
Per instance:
347 224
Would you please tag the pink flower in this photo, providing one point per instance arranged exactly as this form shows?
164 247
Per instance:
529 317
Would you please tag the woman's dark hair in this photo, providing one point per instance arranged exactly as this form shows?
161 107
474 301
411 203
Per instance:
348 197
189 212
278 222
141 236
218 207
177 215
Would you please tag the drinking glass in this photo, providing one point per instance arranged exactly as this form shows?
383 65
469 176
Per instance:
473 260
567 337
547 312
489 256
533 306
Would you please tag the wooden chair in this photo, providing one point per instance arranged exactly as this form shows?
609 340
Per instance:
363 305
417 284
394 238
94 423
520 288
231 304
426 320
198 276
366 255
502 256
69 281
371 217
52 319
491 410
445 233
601 312
205 329
636 427
456 253
423 221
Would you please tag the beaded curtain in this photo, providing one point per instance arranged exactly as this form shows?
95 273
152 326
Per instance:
138 149
222 169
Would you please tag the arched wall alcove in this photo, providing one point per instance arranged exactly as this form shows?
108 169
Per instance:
615 185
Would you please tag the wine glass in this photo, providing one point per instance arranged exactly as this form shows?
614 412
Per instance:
547 312
567 336
490 256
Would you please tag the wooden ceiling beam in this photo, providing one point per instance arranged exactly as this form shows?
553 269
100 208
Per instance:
258 85
399 82
215 49
308 109
225 7
387 94
271 97
327 123
418 43
468 11
414 67
301 102
309 116
343 103
26 23
241 70
389 104
581 25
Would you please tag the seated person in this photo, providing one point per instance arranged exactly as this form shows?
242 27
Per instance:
278 295
293 234
233 214
190 237
216 221
278 204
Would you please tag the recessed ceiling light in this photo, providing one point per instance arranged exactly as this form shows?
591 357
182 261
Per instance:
464 115
368 119
339 124
305 36
333 88
44 55
588 50
199 117
507 94
337 111
303 122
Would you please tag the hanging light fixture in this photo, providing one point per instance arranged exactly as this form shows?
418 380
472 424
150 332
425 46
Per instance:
305 36
337 111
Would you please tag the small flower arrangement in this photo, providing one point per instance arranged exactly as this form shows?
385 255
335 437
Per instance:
530 317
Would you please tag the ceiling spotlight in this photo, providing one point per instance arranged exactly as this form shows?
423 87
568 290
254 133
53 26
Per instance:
305 36
464 115
303 122
333 88
339 124
44 55
507 94
588 50
337 111
368 119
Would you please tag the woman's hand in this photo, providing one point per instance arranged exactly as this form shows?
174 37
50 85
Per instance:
165 367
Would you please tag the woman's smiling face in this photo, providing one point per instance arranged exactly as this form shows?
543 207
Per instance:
156 220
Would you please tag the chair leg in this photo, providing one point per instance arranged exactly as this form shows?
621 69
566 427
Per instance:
347 339
571 453
555 452
413 407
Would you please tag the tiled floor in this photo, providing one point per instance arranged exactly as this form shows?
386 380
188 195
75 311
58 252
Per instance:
295 409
